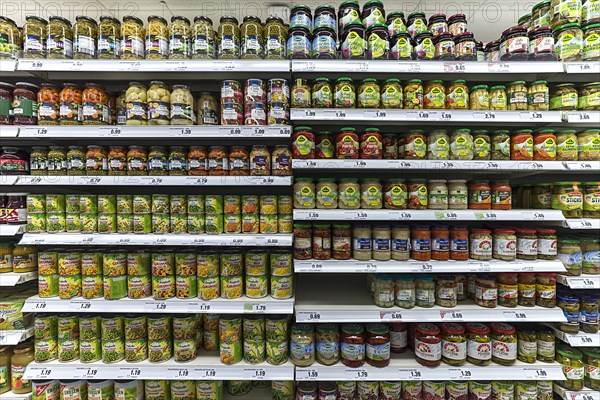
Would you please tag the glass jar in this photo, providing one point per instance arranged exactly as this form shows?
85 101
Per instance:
22 356
252 38
591 360
567 145
328 344
33 36
158 99
424 49
71 107
322 93
57 160
547 244
182 106
545 344
344 94
228 38
352 41
179 38
589 145
371 146
438 145
302 241
417 194
504 343
459 243
420 243
454 344
326 193
341 242
564 97
457 97
133 37
505 245
371 194
591 256
391 94
349 197
508 289
136 98
6 98
204 43
588 321
444 46
480 195
377 345
275 35
59 44
457 194
566 196
109 38
96 160
24 107
486 291
570 305
480 241
479 344
302 345
479 98
445 291
572 364
481 145
352 347
570 253
428 345
395 194
544 145
95 105
12 38
400 243
38 160
378 46
437 194
498 98
304 193
382 237
85 35
48 104
501 145
589 48
461 145
415 145
526 344
538 96
361 242
514 44
76 161
527 244
405 292
527 289
401 46
368 94
521 145
425 291
434 95
299 43
545 289
413 94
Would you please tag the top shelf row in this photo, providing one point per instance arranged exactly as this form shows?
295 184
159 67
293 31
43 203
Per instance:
118 69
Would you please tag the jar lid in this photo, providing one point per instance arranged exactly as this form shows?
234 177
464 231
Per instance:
302 225
507 231
567 131
541 4
591 183
592 352
251 18
304 179
180 18
480 87
523 131
36 18
457 16
436 181
527 231
568 241
27 84
395 14
274 18
437 16
10 21
502 328
348 128
481 231
323 7
322 226
592 26
302 128
478 328
64 20
566 183
566 26
202 18
567 298
353 329
457 181
381 26
567 351
377 329
327 328
354 24
405 278
546 231
372 130
458 81
498 87
302 328
425 32
480 181
434 81
348 3
414 81
342 226
516 83
416 14
428 329
392 80
91 20
229 17
344 79
594 130
453 328
369 80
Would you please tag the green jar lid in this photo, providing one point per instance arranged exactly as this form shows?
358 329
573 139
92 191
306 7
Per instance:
498 87
324 133
378 329
416 13
566 26
465 130
355 23
302 328
523 131
392 80
367 80
502 132
349 128
378 26
342 226
566 183
353 329
569 241
414 81
327 328
546 131
565 85
349 179
592 352
347 2
526 16
594 130
568 351
322 226
459 81
302 128
591 183
542 184
541 4
480 87
325 179
434 81
517 83
344 79
542 82
372 130
567 131
373 2
325 7
592 26
302 225
480 132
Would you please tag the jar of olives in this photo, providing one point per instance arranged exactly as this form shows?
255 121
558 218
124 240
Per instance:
158 102
12 38
182 106
252 38
275 34
85 34
180 40
204 44
228 38
133 38
157 38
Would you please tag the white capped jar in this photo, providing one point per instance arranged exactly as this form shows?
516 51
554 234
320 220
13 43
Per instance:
438 194
382 246
457 194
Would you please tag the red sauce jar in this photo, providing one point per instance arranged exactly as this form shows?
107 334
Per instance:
541 44
390 146
428 345
324 145
420 248
24 104
521 145
459 243
303 142
440 243
371 145
378 345
352 347
480 195
6 98
346 144
544 145
501 195
398 337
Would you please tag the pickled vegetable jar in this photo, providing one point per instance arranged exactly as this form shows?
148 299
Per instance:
572 362
567 197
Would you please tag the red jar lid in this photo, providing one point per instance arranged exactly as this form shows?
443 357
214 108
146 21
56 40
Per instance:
502 328
477 328
551 231
527 231
546 274
453 328
509 231
428 329
481 231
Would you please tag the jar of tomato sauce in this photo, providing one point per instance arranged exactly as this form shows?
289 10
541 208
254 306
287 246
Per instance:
459 243
420 248
501 195
303 142
428 345
398 337
378 345
544 145
440 243
346 144
521 145
352 345
371 146
480 195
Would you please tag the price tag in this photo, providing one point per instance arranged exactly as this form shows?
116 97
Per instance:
487 216
532 116
27 180
155 306
255 308
456 315
446 215
486 115
307 374
356 374
81 305
237 241
205 373
578 67
390 316
362 215
37 305
272 241
90 180
583 116
309 66
401 216
535 373
255 373
308 316
446 116
413 67
361 67
478 266
134 66
37 64
316 267
195 306
498 67
514 316
419 115
267 180
187 131
312 215
454 67
178 372
460 374
410 374
366 267
39 131
201 180
258 131
43 372
151 181
129 373
310 113
310 164
584 283
533 216
86 373
446 165
585 340
372 114
584 396
579 165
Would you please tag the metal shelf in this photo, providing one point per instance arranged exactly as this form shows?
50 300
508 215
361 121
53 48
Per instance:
11 229
11 338
580 339
66 180
583 223
14 396
14 278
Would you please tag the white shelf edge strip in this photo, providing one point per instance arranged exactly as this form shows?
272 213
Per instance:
33 180
14 278
580 339
11 229
580 282
585 394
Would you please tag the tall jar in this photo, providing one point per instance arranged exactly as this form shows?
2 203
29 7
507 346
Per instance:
377 345
400 243
508 289
95 105
157 38
361 243
25 104
486 291
6 98
228 38
136 98
405 292
428 345
60 38
109 38
352 348
454 344
302 345
204 45
182 106
504 343
328 344
457 194
12 38
23 355
571 360
85 35
133 38
479 344
425 291
251 38
275 34
48 104
33 37
180 40
545 289
341 241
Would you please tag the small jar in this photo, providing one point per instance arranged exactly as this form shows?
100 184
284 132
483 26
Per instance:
588 140
395 194
405 293
96 161
480 195
302 345
540 14
444 47
304 193
413 94
391 94
591 360
400 243
569 252
454 344
479 98
321 241
228 38
416 23
498 99
347 144
420 243
437 194
501 195
302 241
95 105
481 145
459 243
501 145
6 98
526 344
527 289
505 245
352 348
458 194
425 291
303 144
371 194
341 241
521 145
395 22
508 289
461 145
466 47
588 321
401 46
568 39
324 44
378 46
438 145
546 344
344 95
48 104
567 196
377 345
424 49
300 16
438 24
591 252
544 145
545 289
322 93
34 35
25 104
504 343
571 360
445 291
486 291
480 241
589 50
382 238
434 95
371 146
326 193
300 96
571 309
428 345
361 242
328 344
527 244
514 45
398 337
479 344
418 198
369 94
203 44
567 145
349 194
252 44
352 41
109 38
547 244
564 97
85 35
541 44
457 24
415 145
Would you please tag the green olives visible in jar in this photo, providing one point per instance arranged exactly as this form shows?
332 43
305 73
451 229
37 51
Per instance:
85 34
204 45
60 38
136 98
368 94
572 364
391 94
109 38
132 38
33 37
12 38
180 40
157 38
413 94
182 106
274 35
228 38
252 38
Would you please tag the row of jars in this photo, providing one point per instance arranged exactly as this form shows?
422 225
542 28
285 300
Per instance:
487 290
574 199
398 194
256 160
580 308
439 242
437 95
554 13
157 40
459 144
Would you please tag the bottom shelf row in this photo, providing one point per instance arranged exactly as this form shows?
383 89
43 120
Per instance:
289 390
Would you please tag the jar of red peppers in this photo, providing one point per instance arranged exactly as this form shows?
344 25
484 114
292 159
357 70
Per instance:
303 142
398 337
371 146
420 248
352 345
378 345
440 243
459 243
321 242
325 145
428 345
501 195
6 98
544 145
342 241
24 104
302 241
480 195
347 144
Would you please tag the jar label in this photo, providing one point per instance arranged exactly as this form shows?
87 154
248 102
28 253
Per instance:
421 245
323 45
479 351
572 318
437 28
301 20
133 45
136 111
301 351
481 147
353 352
157 110
324 20
344 96
377 47
546 349
574 373
59 45
368 97
375 17
571 261
458 200
567 46
396 25
371 146
350 197
568 9
109 45
459 245
183 111
486 294
417 26
24 108
545 292
527 349
461 146
508 291
592 372
458 27
341 244
591 259
203 45
505 247
590 11
75 163
399 340
545 149
326 196
541 45
381 244
547 247
251 45
323 98
526 291
407 295
590 150
440 148
454 350
466 48
229 45
378 352
354 45
447 294
402 49
400 245
567 201
524 148
504 350
441 244
435 98
328 351
527 246
428 351
481 247
425 295
34 44
425 49
351 16
84 45
588 317
415 148
396 196
372 197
